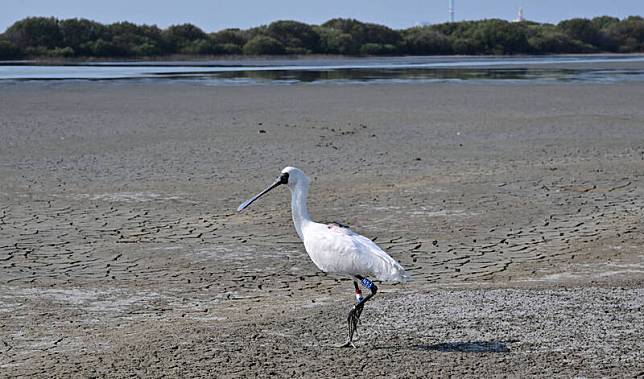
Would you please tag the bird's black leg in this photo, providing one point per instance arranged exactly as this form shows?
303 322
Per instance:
354 314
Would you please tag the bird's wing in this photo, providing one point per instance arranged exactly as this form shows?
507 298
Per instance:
364 255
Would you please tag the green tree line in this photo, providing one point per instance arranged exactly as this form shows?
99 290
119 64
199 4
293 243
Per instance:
48 37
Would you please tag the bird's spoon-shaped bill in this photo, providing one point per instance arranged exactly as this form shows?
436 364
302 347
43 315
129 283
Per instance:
248 202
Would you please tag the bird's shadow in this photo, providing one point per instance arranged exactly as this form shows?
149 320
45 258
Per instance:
468 347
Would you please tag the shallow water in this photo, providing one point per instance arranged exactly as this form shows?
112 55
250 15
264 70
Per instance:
342 70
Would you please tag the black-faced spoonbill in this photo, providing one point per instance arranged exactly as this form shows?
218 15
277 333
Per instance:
335 248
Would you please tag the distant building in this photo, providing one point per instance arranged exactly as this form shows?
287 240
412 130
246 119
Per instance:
451 10
520 17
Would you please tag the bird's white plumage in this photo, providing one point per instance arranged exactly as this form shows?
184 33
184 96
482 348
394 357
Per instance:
339 250
336 249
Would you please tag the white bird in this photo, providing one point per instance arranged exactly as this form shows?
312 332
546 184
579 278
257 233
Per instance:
336 249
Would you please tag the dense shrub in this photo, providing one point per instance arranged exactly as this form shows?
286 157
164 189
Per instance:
230 36
378 49
229 48
138 40
465 46
333 41
580 29
201 46
500 37
102 48
425 41
9 51
361 34
58 52
145 49
79 34
295 36
263 45
49 37
183 38
551 41
35 32
629 34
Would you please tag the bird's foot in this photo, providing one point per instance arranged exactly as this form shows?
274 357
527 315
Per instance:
349 343
354 320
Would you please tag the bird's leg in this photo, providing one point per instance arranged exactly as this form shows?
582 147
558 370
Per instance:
358 292
354 314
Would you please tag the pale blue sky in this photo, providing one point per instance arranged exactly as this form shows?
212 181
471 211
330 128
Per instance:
212 15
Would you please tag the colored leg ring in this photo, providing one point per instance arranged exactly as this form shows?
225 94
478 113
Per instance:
368 283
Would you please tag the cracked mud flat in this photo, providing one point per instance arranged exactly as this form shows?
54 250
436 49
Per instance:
517 210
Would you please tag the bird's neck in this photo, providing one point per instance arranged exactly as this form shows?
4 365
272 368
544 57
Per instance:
299 208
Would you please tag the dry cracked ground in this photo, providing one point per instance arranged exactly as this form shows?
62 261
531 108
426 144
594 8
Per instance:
517 209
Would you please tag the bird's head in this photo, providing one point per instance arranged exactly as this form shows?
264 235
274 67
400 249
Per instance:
294 176
290 176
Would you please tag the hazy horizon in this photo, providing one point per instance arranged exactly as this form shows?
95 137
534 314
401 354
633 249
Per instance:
249 13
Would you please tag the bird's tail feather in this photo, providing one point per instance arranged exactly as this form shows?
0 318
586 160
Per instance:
390 270
396 274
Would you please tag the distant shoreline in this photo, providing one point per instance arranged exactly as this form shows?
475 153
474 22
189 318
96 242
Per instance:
171 60
341 70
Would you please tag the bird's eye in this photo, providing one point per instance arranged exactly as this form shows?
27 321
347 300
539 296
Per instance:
284 178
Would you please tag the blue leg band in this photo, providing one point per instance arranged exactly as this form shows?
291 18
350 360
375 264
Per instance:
367 283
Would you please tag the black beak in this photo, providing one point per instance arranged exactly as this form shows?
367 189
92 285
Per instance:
283 179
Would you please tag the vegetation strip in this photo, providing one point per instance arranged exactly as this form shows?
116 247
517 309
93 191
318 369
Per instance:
48 37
